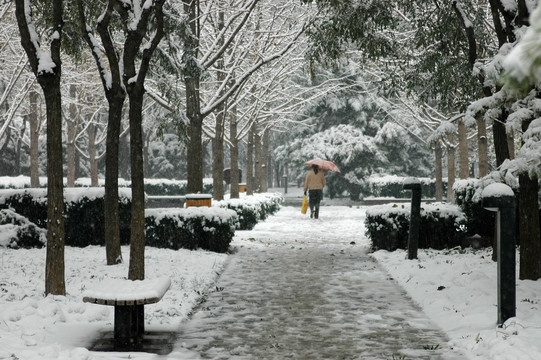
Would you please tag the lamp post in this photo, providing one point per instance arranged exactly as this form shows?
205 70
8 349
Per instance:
501 199
414 185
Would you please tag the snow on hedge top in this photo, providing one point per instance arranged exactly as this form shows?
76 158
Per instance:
71 195
498 190
443 210
216 214
127 290
395 179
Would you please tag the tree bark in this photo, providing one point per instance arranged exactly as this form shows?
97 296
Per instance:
137 239
71 137
265 165
113 252
500 138
49 80
234 154
250 162
34 139
482 144
92 155
511 145
464 165
258 160
451 169
439 172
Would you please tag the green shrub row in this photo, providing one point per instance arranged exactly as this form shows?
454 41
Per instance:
192 228
84 221
442 226
153 187
252 209
392 186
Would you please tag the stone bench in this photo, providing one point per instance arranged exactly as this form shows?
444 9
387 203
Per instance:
129 298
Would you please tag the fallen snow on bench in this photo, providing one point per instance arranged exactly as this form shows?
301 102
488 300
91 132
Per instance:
115 290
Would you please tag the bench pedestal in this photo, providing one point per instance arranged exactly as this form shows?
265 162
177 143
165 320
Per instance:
129 326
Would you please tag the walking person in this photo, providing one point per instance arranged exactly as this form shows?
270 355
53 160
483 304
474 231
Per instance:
314 183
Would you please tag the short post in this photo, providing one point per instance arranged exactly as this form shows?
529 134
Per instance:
414 185
284 179
501 199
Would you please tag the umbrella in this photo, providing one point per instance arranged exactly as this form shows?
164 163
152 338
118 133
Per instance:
323 164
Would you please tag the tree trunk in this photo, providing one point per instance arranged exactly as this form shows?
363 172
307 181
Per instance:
511 144
530 240
19 146
218 156
500 138
55 277
49 80
265 165
451 173
482 143
92 155
218 141
113 251
258 160
71 123
193 100
439 172
234 154
250 162
463 150
137 239
34 139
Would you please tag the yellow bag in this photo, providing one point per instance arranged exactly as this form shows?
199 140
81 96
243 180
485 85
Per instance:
304 205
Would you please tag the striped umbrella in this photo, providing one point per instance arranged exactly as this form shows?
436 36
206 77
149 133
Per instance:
323 164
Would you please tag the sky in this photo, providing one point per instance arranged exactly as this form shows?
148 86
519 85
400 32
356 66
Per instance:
455 288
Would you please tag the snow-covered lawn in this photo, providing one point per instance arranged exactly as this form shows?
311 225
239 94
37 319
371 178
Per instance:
457 289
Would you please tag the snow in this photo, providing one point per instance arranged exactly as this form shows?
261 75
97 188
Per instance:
456 288
123 290
497 190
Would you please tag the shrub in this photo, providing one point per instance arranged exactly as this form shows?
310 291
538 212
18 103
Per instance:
84 216
468 197
196 227
442 226
30 203
17 232
253 208
392 186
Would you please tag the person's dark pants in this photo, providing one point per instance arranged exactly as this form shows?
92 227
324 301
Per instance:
314 198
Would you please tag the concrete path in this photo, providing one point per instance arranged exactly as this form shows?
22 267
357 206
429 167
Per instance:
299 289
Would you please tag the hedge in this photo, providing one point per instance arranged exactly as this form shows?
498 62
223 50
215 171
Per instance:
253 208
158 187
392 186
16 231
443 226
196 227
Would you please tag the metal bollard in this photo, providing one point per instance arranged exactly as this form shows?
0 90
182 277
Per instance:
414 185
501 199
284 179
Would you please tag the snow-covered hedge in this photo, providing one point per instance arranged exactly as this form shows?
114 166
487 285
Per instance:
83 212
468 198
152 186
392 186
442 226
16 231
252 209
192 228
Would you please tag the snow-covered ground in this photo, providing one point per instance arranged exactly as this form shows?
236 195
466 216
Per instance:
456 289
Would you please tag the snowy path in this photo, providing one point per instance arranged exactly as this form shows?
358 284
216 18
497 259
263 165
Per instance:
297 288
